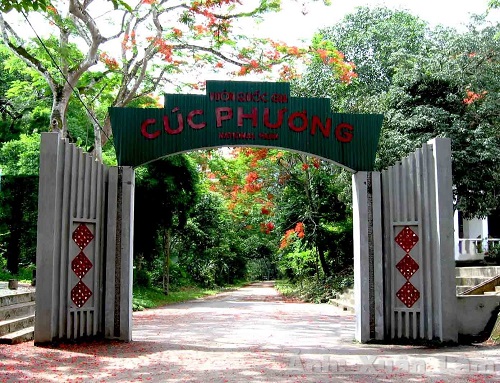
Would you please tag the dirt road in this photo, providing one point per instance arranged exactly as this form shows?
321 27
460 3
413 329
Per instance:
248 335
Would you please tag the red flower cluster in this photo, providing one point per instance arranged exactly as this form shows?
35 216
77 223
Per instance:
110 62
472 96
267 227
299 230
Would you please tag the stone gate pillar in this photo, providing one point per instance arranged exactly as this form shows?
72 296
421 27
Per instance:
403 248
368 264
119 251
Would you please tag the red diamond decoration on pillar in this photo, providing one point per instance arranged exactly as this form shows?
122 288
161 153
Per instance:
80 294
406 239
81 265
407 266
408 294
82 236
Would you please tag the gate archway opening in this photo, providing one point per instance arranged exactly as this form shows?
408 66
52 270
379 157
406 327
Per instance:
402 216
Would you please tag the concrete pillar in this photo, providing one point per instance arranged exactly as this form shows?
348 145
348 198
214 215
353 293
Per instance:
445 286
47 253
368 264
119 251
456 236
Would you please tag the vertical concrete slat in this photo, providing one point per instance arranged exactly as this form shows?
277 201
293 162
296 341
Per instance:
127 243
392 258
378 269
86 187
73 196
407 324
419 216
65 240
95 214
361 254
59 247
411 188
93 189
404 189
101 229
445 280
118 295
79 184
400 323
432 257
423 211
46 248
81 323
109 290
388 298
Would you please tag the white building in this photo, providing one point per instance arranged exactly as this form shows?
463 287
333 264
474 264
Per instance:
474 236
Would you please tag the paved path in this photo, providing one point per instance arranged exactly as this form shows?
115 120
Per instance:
248 335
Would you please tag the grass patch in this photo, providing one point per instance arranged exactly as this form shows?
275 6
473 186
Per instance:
151 297
286 288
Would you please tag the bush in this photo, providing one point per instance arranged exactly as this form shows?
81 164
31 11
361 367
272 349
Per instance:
317 290
142 278
493 254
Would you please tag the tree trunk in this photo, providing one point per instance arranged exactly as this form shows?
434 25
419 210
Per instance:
324 264
97 150
58 117
13 246
166 264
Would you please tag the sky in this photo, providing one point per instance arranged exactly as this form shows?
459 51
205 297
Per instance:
292 24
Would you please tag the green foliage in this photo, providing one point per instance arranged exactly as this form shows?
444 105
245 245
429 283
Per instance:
142 278
380 42
210 250
310 194
151 297
23 5
166 191
18 220
428 83
493 4
457 100
493 254
25 273
316 290
22 156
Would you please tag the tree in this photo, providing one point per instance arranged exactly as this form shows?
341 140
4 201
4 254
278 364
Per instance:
210 248
309 207
277 198
244 178
453 93
378 42
167 190
428 83
10 115
195 35
18 217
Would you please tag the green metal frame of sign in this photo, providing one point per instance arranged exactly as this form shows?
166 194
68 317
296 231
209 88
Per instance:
242 113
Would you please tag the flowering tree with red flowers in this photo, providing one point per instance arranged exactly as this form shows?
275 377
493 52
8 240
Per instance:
313 215
288 203
148 44
244 177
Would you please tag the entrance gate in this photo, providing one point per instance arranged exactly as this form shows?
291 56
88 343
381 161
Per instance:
403 218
